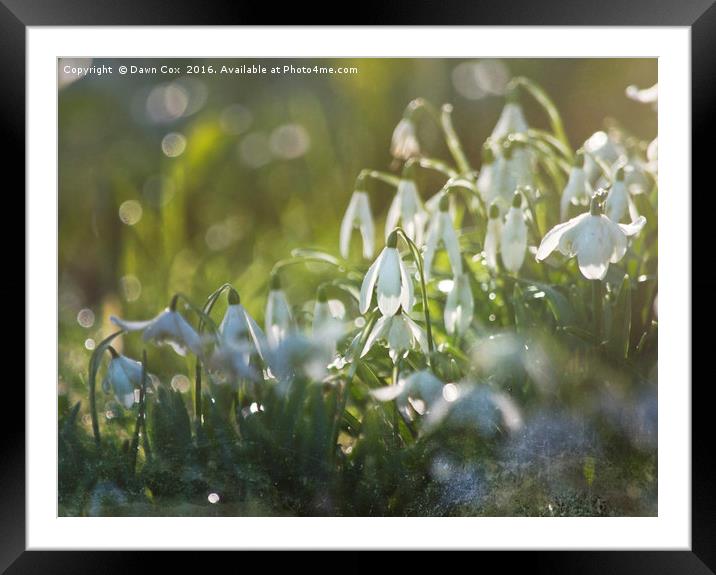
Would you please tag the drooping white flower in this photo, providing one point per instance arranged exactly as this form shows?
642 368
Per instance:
604 147
358 215
520 164
278 319
492 237
460 305
404 143
441 230
594 238
503 182
484 179
407 210
394 284
617 203
512 120
169 328
645 95
513 239
401 334
421 385
578 191
123 376
240 338
327 327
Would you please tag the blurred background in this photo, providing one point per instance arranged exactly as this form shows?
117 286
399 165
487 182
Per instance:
182 182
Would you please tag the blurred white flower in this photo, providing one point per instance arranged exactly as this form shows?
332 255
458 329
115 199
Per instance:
512 121
484 179
401 334
578 190
404 144
418 385
520 164
123 376
617 203
358 215
441 230
326 326
595 239
603 147
513 239
169 328
407 209
395 286
492 236
278 320
503 182
239 338
645 95
460 306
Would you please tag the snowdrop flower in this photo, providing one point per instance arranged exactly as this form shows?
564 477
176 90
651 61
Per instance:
407 209
169 328
595 239
123 376
326 327
503 181
512 119
358 215
520 164
404 144
484 179
513 239
460 306
644 96
239 338
603 147
578 190
278 314
421 385
492 237
394 284
401 334
442 231
617 202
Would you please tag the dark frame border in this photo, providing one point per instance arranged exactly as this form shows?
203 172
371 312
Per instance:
699 15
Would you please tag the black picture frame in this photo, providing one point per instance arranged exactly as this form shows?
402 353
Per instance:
699 15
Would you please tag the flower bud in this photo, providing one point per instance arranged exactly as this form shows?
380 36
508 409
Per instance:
234 298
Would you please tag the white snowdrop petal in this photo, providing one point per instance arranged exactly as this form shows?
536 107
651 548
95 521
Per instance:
129 325
452 245
492 241
347 225
389 284
513 243
371 276
407 293
376 333
634 227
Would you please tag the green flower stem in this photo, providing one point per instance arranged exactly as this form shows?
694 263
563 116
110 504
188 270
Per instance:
396 411
597 309
384 177
343 399
443 120
453 141
140 413
547 104
94 365
423 288
433 164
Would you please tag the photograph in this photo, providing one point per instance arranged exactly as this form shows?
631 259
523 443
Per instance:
357 287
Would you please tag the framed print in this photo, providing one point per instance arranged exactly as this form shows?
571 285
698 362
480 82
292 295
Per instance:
361 287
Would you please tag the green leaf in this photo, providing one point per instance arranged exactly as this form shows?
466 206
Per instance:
621 323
